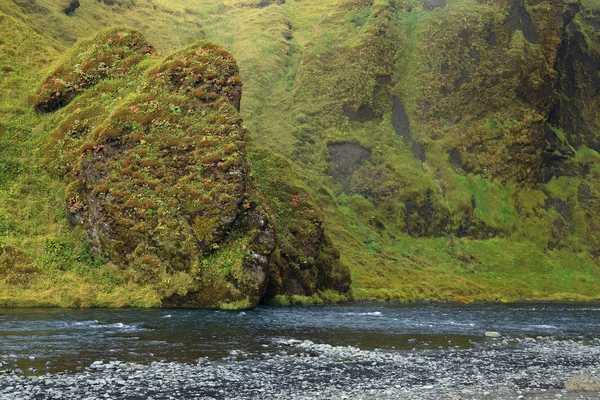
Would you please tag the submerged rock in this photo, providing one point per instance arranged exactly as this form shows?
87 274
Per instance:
491 334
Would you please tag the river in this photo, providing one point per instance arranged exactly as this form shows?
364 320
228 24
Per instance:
346 351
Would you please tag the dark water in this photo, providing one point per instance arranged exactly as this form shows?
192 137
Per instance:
72 339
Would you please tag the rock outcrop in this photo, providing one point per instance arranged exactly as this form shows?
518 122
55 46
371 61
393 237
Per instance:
71 7
157 165
576 113
305 262
158 177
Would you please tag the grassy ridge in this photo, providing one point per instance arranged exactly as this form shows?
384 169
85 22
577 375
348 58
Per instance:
307 66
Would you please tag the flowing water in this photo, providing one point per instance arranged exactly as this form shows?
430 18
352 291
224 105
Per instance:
38 341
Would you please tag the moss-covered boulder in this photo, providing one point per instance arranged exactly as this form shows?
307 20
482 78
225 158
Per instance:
305 262
156 162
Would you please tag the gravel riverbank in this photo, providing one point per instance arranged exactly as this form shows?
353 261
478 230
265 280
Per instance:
293 369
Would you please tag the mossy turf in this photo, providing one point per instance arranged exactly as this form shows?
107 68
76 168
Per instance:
458 204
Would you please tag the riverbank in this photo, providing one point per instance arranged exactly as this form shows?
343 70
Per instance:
534 368
362 351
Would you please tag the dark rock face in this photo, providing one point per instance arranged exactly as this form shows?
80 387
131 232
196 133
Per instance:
363 114
429 5
456 161
345 159
112 2
309 266
305 261
577 110
556 157
73 5
401 126
519 20
262 3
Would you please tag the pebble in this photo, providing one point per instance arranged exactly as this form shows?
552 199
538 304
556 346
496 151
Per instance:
492 334
495 370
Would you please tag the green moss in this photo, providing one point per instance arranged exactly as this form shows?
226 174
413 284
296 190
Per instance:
477 96
123 145
306 261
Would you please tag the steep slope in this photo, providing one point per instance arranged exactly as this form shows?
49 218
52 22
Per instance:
437 139
443 116
444 149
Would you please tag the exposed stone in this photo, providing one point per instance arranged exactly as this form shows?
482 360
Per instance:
429 5
576 113
71 7
519 20
363 114
306 261
307 370
491 334
401 125
344 159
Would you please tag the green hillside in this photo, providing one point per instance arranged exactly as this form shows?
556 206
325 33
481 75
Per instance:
438 154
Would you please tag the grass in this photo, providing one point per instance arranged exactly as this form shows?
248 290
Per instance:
483 230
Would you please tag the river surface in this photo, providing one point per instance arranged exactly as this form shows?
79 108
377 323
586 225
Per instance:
51 340
364 351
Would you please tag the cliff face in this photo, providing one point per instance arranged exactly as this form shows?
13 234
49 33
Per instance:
579 83
466 119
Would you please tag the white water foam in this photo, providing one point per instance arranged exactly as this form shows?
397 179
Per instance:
544 326
375 313
86 323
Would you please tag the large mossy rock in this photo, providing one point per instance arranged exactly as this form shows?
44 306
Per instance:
156 162
305 262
